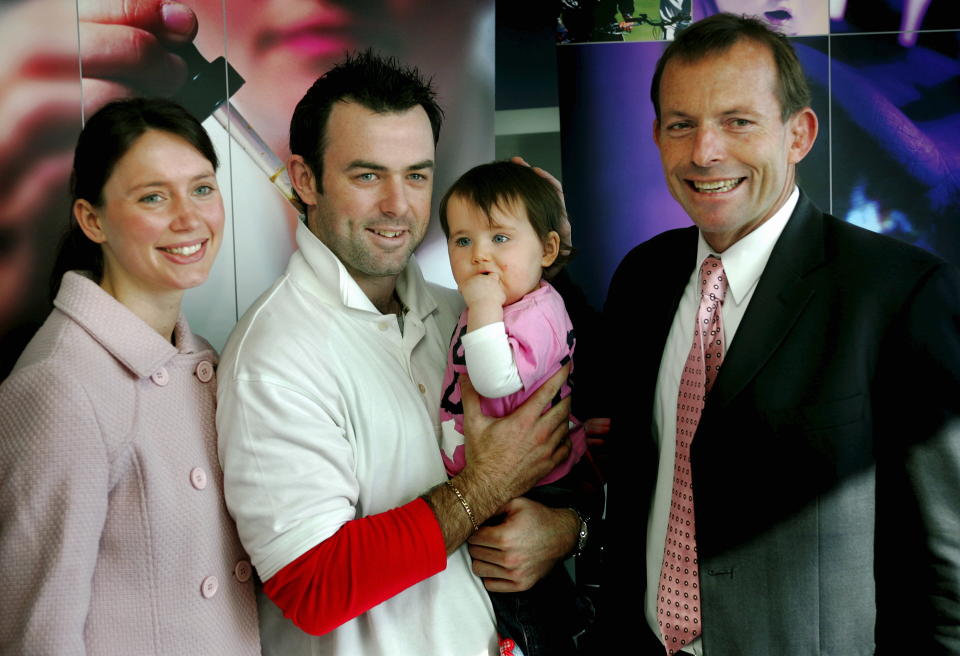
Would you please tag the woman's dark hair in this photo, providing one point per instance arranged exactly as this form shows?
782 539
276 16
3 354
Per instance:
106 137
499 184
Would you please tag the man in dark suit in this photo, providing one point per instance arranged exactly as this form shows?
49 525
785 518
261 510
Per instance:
810 501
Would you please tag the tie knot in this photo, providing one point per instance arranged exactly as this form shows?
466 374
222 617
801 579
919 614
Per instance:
713 281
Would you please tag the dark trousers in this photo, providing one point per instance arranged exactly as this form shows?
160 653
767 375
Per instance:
544 619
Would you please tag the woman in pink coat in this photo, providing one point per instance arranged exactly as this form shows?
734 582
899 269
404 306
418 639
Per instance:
114 538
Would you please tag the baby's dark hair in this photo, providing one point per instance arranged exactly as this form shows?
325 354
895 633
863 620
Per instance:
499 184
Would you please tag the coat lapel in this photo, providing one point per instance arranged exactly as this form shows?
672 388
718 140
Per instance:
673 273
782 293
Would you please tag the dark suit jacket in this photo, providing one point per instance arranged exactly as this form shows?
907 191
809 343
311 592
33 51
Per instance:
826 468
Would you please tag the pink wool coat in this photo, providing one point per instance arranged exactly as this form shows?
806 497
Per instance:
114 537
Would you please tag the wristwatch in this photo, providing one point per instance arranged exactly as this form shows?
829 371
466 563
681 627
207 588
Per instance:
583 533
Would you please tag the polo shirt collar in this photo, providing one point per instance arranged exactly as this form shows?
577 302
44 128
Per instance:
329 279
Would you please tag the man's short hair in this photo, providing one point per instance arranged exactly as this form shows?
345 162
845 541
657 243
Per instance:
379 83
717 34
500 185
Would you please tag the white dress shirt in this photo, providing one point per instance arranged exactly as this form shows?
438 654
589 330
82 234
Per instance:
743 262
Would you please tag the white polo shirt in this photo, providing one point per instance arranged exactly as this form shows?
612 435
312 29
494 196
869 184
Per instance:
326 414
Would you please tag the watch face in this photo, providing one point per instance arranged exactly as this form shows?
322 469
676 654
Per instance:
582 537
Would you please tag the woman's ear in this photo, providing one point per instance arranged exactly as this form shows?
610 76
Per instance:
551 248
88 218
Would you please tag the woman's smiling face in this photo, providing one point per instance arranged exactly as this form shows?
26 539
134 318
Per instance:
161 219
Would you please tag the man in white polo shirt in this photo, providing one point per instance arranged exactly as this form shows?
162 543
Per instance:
328 406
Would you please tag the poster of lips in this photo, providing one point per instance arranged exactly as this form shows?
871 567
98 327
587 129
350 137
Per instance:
63 59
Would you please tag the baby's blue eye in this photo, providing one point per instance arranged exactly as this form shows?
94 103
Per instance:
462 241
500 239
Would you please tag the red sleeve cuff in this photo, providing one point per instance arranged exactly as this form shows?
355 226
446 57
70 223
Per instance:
366 562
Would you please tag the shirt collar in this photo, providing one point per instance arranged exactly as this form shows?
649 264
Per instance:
746 259
317 269
127 337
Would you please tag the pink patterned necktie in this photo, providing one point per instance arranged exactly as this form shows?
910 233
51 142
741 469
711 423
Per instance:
678 604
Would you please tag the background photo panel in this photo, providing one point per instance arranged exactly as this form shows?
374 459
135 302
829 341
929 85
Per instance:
792 17
901 16
896 136
63 59
40 110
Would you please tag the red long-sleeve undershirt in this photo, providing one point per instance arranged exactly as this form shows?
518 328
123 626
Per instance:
366 562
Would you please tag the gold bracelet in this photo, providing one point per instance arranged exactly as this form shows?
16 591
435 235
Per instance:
466 506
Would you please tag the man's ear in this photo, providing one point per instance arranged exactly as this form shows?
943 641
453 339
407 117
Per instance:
551 248
88 218
303 179
656 132
802 128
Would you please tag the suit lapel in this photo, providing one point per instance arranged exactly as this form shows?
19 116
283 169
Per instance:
673 273
782 293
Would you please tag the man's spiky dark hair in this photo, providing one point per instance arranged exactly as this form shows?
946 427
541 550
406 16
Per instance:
379 83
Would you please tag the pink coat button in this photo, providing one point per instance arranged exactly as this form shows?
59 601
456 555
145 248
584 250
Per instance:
209 587
198 478
205 372
243 571
160 377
